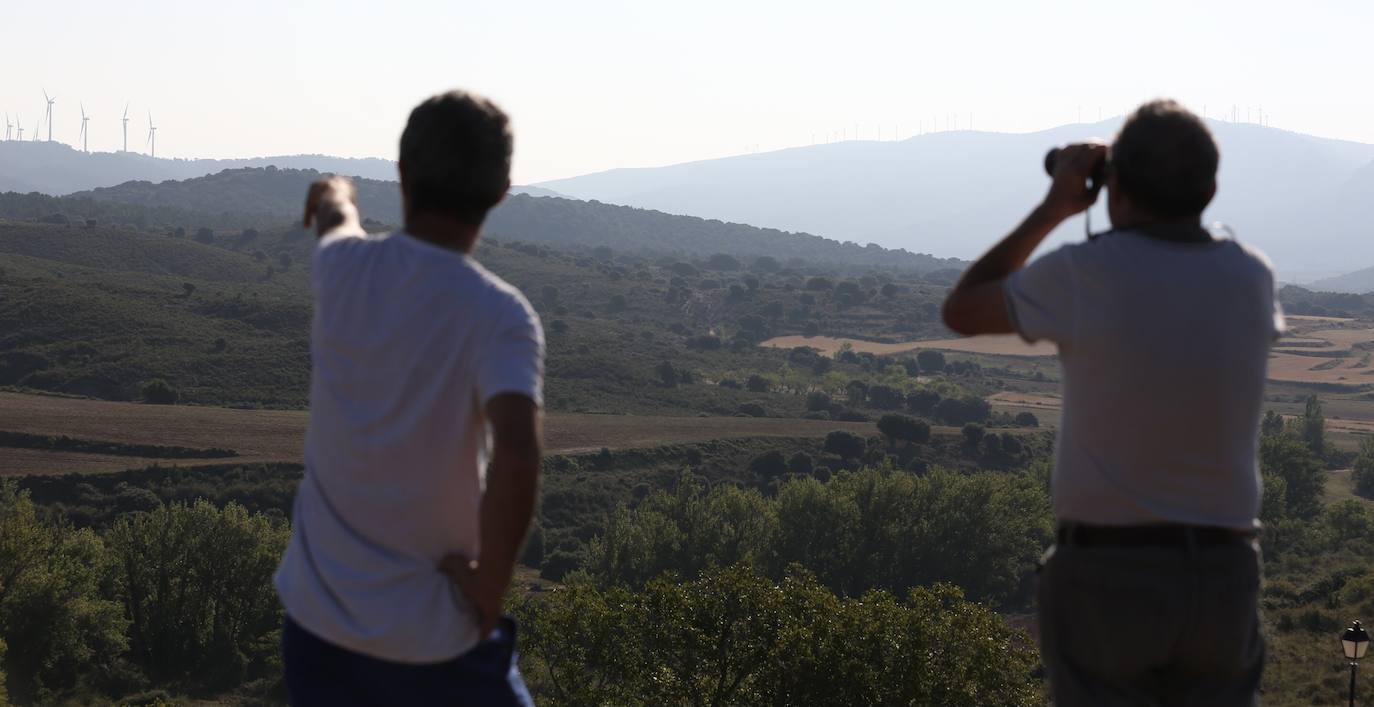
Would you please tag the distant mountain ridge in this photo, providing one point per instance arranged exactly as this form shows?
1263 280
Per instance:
1308 202
1358 282
58 169
275 196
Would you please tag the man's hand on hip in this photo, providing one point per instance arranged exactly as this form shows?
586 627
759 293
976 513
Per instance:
485 593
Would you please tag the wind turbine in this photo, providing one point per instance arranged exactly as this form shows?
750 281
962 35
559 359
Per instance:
126 127
85 135
8 127
20 126
152 135
50 100
36 125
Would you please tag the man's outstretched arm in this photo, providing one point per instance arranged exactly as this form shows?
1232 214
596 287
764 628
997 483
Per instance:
976 304
331 206
507 505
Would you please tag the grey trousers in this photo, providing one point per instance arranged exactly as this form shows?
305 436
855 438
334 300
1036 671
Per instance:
1152 626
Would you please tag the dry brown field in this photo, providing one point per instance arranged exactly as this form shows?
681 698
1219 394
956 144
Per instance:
995 345
1027 400
278 436
1355 369
1287 363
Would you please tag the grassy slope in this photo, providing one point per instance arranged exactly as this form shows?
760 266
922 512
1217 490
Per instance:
99 311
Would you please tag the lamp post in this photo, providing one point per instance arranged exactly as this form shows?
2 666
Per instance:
1355 641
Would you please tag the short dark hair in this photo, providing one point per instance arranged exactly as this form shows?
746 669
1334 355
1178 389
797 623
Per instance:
1166 160
456 155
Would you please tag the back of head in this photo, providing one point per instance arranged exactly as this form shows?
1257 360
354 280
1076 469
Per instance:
456 156
1165 160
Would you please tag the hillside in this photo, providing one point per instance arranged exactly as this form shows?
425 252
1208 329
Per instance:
56 168
274 195
1302 199
223 316
1358 282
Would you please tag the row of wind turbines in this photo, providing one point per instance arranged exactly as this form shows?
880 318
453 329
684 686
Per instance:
14 130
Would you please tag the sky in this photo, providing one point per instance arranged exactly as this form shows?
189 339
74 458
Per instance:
594 85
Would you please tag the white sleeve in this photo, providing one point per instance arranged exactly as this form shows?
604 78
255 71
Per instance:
1042 298
326 258
513 359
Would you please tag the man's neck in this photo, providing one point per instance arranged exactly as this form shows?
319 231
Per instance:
443 230
1184 230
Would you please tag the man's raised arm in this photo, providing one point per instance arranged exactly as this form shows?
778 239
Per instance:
331 206
507 505
976 305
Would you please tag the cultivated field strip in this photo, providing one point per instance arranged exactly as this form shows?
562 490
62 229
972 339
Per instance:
996 345
278 435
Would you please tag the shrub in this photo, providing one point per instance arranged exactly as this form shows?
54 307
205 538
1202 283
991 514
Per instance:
845 444
753 410
769 464
159 392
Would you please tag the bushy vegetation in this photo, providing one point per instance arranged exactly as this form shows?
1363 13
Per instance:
178 596
732 637
873 529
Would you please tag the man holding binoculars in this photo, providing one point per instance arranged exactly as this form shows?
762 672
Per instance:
1150 594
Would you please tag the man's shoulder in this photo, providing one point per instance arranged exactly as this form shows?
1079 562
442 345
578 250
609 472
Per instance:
1254 257
503 295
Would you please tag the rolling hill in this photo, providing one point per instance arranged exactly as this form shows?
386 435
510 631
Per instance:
274 195
1305 200
1358 282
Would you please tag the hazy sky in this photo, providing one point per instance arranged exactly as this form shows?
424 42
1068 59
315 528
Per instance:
596 85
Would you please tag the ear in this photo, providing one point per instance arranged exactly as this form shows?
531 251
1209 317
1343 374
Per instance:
405 196
504 193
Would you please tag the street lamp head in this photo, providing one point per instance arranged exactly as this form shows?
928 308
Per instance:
1355 641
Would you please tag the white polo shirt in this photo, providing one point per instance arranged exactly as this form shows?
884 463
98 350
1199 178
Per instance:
1164 348
409 342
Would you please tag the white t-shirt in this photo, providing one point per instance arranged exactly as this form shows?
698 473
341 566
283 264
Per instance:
409 342
1164 348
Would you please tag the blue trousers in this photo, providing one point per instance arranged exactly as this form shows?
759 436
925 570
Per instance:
321 674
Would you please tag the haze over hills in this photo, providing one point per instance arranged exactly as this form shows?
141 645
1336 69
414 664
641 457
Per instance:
1358 282
1305 200
56 168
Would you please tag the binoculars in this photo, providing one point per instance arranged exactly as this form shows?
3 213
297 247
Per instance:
1095 180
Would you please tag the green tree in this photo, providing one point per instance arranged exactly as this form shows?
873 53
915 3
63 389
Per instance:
684 531
195 582
1304 480
901 428
769 464
1312 427
800 463
846 444
1272 424
734 637
931 361
62 633
159 392
1363 471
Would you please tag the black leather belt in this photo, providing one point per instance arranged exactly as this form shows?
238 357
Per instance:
1150 535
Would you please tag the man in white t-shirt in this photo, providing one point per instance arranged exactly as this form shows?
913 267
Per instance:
423 450
1150 595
